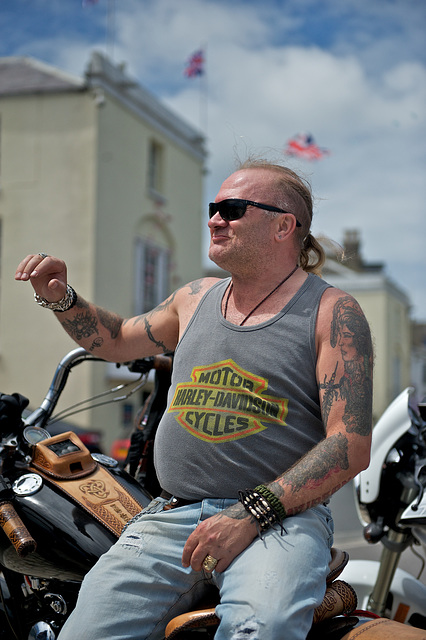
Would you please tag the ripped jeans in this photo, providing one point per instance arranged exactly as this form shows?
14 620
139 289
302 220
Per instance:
268 592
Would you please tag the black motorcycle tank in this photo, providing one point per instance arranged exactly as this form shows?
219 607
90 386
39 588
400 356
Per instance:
69 539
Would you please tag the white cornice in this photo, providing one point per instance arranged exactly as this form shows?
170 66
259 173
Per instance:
101 74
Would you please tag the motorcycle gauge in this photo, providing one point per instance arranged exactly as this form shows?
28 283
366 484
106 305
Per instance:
27 484
33 435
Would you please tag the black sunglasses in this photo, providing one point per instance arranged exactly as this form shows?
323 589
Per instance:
234 209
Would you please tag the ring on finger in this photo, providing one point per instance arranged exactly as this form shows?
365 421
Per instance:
43 255
209 563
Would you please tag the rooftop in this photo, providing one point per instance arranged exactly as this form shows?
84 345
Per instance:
19 76
22 76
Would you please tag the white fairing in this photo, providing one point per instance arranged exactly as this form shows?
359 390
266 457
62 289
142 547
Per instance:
405 589
417 515
394 422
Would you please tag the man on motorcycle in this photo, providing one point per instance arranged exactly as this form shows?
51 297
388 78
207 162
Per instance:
270 414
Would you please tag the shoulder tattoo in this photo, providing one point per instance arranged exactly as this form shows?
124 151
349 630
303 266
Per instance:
350 334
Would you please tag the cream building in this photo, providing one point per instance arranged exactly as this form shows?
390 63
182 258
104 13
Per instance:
418 361
101 173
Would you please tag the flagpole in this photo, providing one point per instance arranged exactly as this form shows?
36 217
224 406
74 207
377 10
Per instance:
110 29
195 69
204 102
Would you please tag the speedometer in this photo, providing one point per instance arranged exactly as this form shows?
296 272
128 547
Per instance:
35 434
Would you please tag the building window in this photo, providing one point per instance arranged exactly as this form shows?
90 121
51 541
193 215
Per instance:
152 275
155 168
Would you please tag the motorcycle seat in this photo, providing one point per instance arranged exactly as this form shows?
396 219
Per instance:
384 629
339 598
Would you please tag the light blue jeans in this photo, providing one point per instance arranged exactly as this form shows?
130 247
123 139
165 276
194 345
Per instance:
268 592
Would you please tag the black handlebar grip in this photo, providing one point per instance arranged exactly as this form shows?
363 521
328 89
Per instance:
15 530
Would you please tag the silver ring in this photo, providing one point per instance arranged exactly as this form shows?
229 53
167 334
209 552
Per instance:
43 255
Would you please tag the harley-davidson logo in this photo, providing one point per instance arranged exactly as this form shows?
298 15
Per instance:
224 402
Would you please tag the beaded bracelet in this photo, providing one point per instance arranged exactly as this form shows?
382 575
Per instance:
273 500
252 503
260 509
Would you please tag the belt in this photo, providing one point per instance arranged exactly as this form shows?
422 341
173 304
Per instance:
174 501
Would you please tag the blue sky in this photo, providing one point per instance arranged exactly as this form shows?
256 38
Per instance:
351 72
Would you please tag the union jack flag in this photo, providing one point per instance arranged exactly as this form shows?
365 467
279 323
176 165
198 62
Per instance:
195 65
304 146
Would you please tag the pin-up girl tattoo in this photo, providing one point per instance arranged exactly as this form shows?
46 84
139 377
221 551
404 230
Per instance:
350 333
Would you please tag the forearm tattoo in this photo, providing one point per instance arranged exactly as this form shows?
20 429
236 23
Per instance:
85 323
97 343
326 460
350 333
110 321
236 512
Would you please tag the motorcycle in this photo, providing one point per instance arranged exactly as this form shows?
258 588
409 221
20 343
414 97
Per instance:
391 504
61 507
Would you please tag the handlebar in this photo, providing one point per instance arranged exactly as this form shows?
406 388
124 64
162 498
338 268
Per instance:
15 530
10 521
40 416
12 524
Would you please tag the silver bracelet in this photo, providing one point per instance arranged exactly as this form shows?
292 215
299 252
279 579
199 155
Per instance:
65 303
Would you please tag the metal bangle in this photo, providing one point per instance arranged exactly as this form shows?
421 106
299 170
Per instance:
66 303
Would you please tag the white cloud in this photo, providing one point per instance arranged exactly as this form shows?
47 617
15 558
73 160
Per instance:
374 178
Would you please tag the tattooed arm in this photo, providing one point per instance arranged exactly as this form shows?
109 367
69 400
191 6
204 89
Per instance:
344 374
105 333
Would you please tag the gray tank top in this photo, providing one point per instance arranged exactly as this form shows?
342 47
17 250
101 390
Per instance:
243 405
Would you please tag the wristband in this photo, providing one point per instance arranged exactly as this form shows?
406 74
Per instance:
273 500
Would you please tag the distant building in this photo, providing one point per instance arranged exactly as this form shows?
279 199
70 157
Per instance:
99 172
418 361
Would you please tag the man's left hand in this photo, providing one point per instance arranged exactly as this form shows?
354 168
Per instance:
223 536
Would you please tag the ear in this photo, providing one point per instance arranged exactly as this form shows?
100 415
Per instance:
286 225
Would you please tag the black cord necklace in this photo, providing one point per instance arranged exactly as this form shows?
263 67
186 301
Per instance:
261 302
